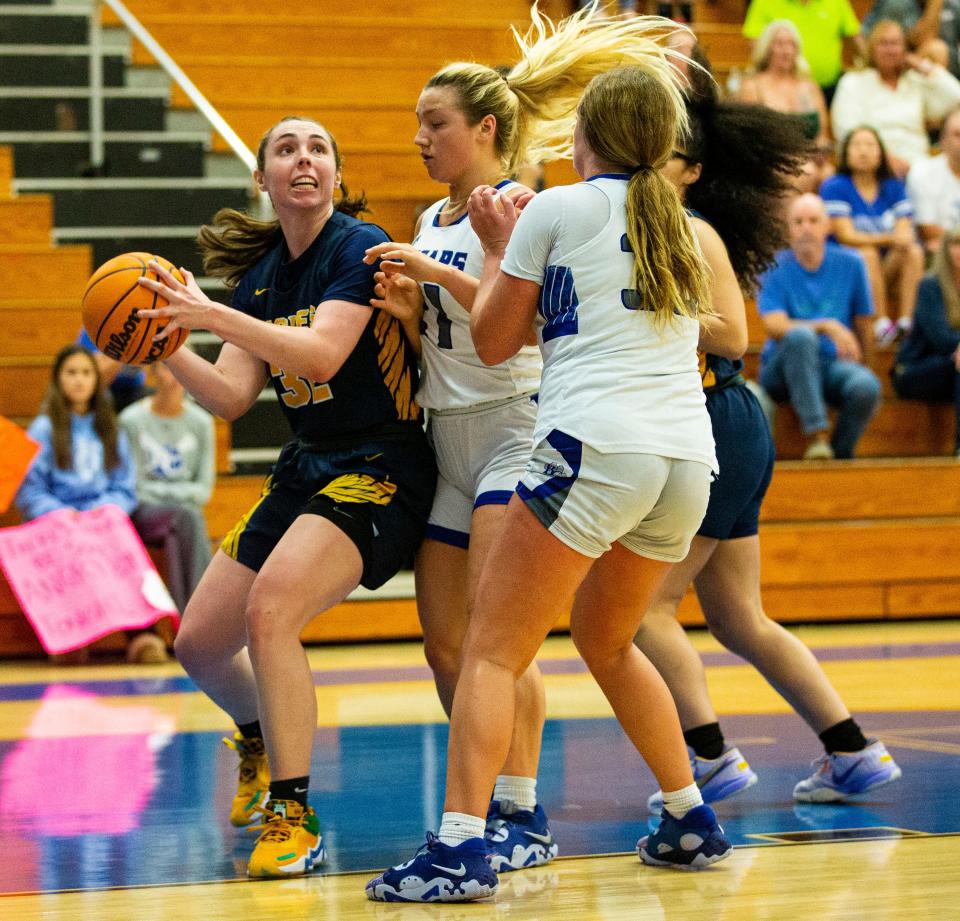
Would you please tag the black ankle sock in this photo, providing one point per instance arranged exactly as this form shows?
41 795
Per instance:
706 741
845 736
294 788
250 730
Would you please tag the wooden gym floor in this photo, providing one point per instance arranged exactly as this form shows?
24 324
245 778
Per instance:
114 790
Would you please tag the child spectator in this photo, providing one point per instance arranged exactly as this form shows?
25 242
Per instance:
84 462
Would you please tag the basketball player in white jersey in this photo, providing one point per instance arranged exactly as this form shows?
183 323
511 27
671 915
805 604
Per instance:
620 473
477 127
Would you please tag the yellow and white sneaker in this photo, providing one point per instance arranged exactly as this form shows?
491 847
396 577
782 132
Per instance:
289 843
253 786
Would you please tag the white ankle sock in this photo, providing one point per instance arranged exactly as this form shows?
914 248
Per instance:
680 802
521 791
457 827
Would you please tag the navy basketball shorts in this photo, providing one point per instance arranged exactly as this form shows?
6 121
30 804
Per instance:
745 455
378 493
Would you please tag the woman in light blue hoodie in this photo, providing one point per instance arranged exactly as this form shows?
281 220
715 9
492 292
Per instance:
84 461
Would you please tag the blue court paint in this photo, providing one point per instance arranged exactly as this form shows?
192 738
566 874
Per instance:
151 809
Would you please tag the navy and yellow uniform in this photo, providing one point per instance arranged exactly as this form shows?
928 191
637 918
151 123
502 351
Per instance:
745 451
359 456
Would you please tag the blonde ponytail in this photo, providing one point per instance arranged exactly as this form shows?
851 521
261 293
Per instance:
628 119
535 100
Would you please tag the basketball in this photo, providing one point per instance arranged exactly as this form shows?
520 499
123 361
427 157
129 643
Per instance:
110 304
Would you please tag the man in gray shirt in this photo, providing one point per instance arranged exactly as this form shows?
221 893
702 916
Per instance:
172 443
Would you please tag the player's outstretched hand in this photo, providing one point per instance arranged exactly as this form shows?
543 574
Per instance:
402 259
398 295
187 305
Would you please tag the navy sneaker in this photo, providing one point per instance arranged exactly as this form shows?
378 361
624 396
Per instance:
690 843
438 873
518 838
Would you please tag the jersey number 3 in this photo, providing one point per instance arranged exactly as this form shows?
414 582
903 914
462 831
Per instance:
298 391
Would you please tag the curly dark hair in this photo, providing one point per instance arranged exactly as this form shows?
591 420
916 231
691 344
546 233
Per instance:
749 155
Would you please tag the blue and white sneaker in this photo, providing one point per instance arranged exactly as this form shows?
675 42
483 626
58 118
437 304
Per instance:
690 843
717 778
438 873
518 838
844 774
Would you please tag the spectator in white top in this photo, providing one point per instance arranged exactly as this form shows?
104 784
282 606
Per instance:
899 94
933 185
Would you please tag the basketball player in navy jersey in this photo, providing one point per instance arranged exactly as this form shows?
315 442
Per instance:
346 502
734 170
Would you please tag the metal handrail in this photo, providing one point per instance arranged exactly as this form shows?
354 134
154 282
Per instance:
173 70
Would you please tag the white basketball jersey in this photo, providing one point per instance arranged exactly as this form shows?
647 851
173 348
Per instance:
452 374
610 378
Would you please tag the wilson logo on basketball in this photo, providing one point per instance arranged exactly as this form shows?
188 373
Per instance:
116 346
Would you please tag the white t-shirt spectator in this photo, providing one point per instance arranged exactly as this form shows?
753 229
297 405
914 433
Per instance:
899 115
934 191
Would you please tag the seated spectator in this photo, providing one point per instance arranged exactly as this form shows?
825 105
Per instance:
781 80
928 362
815 306
83 463
823 26
899 94
127 383
932 29
172 443
933 185
870 211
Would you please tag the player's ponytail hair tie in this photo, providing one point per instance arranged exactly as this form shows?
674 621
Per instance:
643 167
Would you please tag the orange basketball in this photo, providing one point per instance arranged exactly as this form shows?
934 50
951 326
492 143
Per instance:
110 304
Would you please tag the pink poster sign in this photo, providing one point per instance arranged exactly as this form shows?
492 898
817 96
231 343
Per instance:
81 575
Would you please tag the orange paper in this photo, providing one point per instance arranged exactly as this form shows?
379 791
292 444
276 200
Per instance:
17 451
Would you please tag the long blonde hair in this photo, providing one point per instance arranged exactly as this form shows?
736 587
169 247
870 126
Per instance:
943 270
235 241
534 101
628 118
760 57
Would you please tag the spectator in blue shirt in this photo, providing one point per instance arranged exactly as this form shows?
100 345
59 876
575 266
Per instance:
870 211
816 308
928 363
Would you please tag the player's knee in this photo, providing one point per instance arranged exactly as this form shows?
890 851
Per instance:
598 652
263 618
738 629
190 649
443 658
